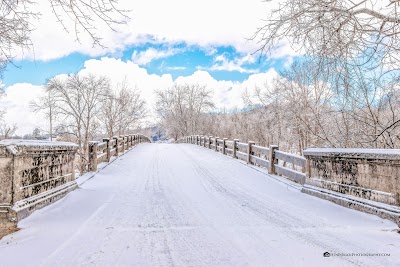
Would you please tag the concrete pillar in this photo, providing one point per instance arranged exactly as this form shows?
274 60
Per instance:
93 155
234 148
209 142
108 148
224 146
249 151
272 159
216 144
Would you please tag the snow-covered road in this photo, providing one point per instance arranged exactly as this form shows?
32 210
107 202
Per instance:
183 205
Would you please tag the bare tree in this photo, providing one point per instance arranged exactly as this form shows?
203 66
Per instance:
336 29
47 105
6 130
16 16
78 101
122 109
181 108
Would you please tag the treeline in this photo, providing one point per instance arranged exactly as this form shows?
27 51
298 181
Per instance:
302 108
81 108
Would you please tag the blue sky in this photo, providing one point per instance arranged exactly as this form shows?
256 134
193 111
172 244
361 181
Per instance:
183 61
163 42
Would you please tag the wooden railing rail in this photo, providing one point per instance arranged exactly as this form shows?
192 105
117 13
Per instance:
103 151
274 160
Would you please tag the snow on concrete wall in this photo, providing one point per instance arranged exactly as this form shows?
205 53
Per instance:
33 174
369 174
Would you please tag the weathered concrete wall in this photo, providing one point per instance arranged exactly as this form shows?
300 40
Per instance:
33 174
365 173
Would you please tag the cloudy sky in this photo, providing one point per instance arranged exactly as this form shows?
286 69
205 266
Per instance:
162 43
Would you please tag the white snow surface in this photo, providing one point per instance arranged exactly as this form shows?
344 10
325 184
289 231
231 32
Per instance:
23 142
184 205
352 151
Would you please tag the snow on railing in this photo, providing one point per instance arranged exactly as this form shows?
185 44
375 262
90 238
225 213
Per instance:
361 179
36 173
32 174
103 151
255 155
372 174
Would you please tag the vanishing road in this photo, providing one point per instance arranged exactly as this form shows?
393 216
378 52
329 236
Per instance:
183 205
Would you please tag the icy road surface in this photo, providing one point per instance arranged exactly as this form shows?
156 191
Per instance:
183 205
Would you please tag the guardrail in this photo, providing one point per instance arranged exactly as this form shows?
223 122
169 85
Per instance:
360 179
103 151
275 161
33 174
36 173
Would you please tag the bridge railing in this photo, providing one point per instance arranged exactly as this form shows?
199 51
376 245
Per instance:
355 178
275 161
32 174
35 173
103 151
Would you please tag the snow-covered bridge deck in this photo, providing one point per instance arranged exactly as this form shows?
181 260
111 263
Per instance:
182 205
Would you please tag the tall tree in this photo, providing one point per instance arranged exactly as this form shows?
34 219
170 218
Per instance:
335 29
78 101
47 105
16 25
181 108
122 109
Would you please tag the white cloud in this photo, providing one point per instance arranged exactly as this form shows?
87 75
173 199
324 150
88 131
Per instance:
176 68
207 24
145 57
227 94
119 70
17 101
222 63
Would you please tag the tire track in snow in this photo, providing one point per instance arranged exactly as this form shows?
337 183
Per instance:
181 205
205 232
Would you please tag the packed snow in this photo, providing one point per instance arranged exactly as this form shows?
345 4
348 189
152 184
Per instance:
317 151
184 205
23 142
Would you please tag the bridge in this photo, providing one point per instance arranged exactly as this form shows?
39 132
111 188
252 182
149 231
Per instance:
185 205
